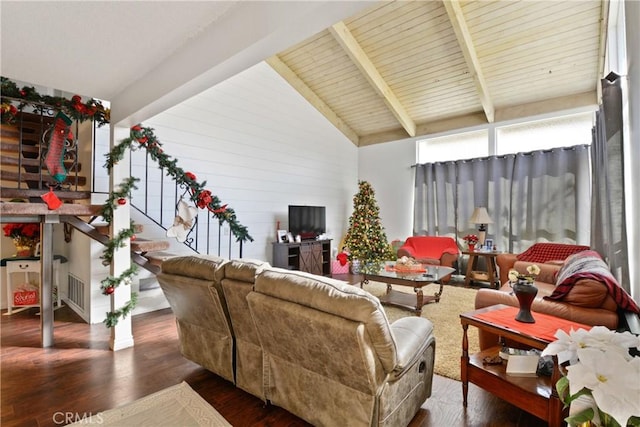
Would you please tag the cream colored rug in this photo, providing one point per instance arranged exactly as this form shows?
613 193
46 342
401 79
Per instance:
446 322
175 406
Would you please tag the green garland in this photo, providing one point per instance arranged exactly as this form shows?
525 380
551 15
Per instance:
74 107
112 317
203 198
118 241
109 285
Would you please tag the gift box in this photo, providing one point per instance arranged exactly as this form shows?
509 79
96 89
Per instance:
336 268
25 296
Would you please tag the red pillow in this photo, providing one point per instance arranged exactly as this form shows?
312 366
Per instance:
543 252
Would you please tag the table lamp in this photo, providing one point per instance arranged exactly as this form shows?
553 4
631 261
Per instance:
482 218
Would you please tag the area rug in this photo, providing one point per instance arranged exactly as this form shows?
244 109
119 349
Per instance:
446 322
175 406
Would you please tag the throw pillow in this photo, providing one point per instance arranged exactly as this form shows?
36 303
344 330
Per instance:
544 252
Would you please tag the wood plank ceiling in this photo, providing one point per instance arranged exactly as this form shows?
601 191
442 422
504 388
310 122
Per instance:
412 68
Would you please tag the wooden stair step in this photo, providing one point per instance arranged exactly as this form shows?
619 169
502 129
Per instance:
145 245
9 130
14 161
19 193
19 209
158 257
14 147
27 139
31 121
34 177
103 228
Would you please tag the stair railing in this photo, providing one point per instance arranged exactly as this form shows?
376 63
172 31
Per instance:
157 198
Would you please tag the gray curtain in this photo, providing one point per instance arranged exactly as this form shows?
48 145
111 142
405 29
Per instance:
538 196
608 231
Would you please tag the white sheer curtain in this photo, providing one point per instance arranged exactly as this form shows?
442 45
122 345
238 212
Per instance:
538 196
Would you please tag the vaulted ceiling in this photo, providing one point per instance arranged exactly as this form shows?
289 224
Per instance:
409 68
378 70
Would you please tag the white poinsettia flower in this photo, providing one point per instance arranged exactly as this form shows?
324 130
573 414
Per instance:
612 380
605 339
533 269
566 345
513 275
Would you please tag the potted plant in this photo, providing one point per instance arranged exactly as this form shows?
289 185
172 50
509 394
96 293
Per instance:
471 240
25 237
600 376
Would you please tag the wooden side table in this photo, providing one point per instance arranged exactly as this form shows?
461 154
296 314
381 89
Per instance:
536 395
489 275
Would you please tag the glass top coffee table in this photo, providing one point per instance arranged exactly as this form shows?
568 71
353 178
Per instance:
415 279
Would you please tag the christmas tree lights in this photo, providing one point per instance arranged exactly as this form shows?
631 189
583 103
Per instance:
366 239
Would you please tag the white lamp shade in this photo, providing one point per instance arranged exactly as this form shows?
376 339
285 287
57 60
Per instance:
480 216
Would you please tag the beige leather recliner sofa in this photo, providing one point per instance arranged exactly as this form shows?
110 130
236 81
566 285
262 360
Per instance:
237 278
331 356
320 348
197 300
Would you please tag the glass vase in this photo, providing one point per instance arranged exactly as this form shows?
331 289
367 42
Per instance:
356 266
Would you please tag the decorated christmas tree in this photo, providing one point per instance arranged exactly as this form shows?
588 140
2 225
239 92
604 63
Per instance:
366 239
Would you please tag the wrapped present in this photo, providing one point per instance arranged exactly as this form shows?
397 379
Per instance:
25 294
336 268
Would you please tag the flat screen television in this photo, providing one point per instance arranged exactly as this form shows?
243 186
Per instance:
307 221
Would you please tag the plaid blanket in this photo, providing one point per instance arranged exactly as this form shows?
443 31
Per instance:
589 265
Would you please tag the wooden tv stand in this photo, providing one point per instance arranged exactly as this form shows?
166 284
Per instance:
311 256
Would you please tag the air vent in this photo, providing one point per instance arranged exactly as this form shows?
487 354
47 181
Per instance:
76 291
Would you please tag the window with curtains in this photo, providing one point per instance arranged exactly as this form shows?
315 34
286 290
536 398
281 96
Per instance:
531 194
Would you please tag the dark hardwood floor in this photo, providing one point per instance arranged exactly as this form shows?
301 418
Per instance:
80 376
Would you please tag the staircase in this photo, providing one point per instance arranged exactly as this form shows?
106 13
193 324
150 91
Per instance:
23 173
24 176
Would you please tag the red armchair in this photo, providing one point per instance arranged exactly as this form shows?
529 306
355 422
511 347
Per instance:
434 250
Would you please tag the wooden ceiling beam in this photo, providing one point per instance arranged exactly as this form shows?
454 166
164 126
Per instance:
425 129
548 106
471 57
350 45
296 82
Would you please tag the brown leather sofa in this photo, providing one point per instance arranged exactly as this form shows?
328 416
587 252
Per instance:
588 302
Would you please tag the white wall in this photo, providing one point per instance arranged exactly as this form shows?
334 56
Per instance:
388 168
261 147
